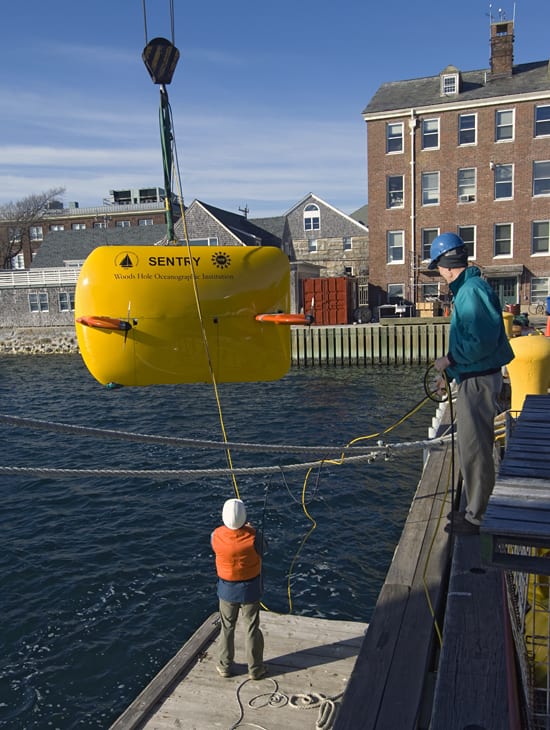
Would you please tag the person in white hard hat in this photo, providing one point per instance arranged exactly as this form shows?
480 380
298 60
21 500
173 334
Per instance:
478 348
238 548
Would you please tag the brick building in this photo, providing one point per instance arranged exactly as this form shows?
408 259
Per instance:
467 152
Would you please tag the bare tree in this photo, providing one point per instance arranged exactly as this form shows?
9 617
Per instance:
16 220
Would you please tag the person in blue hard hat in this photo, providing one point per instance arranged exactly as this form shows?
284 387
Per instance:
478 349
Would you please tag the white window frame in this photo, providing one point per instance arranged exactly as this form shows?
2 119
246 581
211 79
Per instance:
428 235
394 138
502 126
36 233
395 247
499 238
395 191
467 184
504 181
430 188
430 136
312 217
469 240
542 120
347 243
66 301
541 175
38 302
145 222
312 246
78 226
540 233
396 291
465 131
18 261
449 84
57 227
123 224
540 289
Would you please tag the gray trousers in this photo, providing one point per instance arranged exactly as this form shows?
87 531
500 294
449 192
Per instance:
476 408
254 639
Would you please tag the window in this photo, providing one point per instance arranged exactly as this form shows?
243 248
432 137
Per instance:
312 245
38 302
429 292
122 224
430 188
541 178
539 289
394 137
396 293
542 121
312 218
394 193
466 129
35 233
18 261
468 235
347 243
66 301
348 270
395 247
502 245
428 235
78 226
145 222
504 125
449 84
430 134
201 241
540 238
504 186
100 224
466 185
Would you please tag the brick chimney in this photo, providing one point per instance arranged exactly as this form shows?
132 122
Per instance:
502 48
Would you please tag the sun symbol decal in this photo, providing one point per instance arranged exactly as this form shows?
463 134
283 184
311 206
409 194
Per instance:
221 260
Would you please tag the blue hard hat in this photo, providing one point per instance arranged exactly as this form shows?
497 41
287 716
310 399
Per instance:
442 244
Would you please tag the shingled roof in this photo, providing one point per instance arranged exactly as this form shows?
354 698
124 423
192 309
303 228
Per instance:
61 246
242 227
527 78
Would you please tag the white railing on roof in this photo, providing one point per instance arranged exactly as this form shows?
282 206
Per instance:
38 277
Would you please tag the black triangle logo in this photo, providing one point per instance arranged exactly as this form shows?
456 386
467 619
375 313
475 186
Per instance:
126 262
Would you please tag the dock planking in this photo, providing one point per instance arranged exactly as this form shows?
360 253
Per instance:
518 513
390 684
304 656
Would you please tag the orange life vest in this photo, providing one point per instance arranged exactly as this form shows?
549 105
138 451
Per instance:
236 557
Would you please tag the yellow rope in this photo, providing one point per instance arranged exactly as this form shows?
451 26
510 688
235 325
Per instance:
201 321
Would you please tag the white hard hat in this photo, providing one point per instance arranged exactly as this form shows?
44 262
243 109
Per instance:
234 514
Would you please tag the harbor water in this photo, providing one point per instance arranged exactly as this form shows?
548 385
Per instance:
105 576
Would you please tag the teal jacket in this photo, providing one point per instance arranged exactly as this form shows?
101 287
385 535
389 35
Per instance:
477 341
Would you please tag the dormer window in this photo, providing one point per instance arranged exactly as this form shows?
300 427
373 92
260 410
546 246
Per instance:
449 84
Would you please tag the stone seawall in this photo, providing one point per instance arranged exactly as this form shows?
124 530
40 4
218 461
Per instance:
38 341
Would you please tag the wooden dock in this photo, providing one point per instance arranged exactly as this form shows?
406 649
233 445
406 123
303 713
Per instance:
438 653
306 658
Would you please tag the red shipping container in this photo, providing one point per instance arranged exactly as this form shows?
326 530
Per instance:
334 299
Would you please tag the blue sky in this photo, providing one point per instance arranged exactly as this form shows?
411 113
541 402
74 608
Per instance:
266 98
